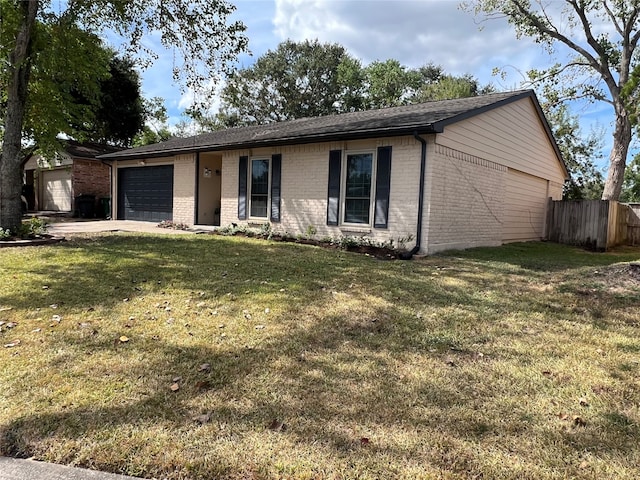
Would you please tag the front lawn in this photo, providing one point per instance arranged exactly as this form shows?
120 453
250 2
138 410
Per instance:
205 357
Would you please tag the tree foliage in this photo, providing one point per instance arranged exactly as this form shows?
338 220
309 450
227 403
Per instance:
602 38
155 127
310 79
579 152
53 55
631 186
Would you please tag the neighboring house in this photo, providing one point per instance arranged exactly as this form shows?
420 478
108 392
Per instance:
489 165
54 185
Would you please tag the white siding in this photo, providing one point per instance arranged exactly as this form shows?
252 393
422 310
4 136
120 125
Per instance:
525 207
512 135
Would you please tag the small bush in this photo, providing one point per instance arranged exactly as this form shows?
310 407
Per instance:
33 227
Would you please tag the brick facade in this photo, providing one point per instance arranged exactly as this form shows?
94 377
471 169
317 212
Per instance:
91 177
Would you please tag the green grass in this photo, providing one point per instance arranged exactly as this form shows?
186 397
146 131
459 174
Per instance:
513 362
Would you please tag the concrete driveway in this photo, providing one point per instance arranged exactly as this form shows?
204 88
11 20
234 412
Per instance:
18 469
65 229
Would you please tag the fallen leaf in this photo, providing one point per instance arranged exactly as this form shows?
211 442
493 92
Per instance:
174 387
205 367
277 426
15 343
124 339
364 441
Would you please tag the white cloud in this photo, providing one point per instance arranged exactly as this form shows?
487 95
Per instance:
414 32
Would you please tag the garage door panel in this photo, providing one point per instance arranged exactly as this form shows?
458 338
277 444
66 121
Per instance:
145 193
56 190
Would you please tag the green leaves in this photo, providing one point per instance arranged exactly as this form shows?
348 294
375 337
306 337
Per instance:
310 79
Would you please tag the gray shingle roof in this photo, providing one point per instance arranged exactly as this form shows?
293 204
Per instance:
422 118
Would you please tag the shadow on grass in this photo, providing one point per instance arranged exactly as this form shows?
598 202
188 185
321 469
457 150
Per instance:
548 256
332 376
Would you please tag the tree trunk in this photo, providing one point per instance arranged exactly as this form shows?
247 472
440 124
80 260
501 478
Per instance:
618 155
17 87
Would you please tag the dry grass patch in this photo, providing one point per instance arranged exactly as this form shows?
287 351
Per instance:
213 357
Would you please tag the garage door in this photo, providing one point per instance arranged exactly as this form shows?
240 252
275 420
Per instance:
526 202
56 190
145 193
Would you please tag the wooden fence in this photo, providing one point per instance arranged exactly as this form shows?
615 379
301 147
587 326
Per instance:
594 224
633 224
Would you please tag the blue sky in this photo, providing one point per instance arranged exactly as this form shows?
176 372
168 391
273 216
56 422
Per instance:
414 32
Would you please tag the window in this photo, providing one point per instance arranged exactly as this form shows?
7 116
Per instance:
357 188
259 187
259 204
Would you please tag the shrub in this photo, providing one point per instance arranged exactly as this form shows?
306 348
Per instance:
33 227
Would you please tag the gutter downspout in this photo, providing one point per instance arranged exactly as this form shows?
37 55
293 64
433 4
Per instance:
423 165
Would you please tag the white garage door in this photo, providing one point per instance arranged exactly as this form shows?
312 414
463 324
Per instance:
56 190
526 203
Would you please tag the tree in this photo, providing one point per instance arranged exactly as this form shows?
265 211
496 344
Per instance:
435 84
602 36
119 114
311 79
389 84
197 30
578 151
631 185
155 127
295 80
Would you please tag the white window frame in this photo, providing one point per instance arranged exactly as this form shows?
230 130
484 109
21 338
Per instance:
250 188
343 187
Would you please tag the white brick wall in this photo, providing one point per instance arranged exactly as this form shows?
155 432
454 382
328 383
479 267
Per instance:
184 189
305 171
465 197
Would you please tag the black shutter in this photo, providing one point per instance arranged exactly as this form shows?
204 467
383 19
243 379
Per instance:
383 186
333 200
276 170
242 188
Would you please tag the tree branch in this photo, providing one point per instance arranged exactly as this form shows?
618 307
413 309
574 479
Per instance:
599 67
613 18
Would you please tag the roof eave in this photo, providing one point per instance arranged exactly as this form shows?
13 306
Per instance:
294 140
